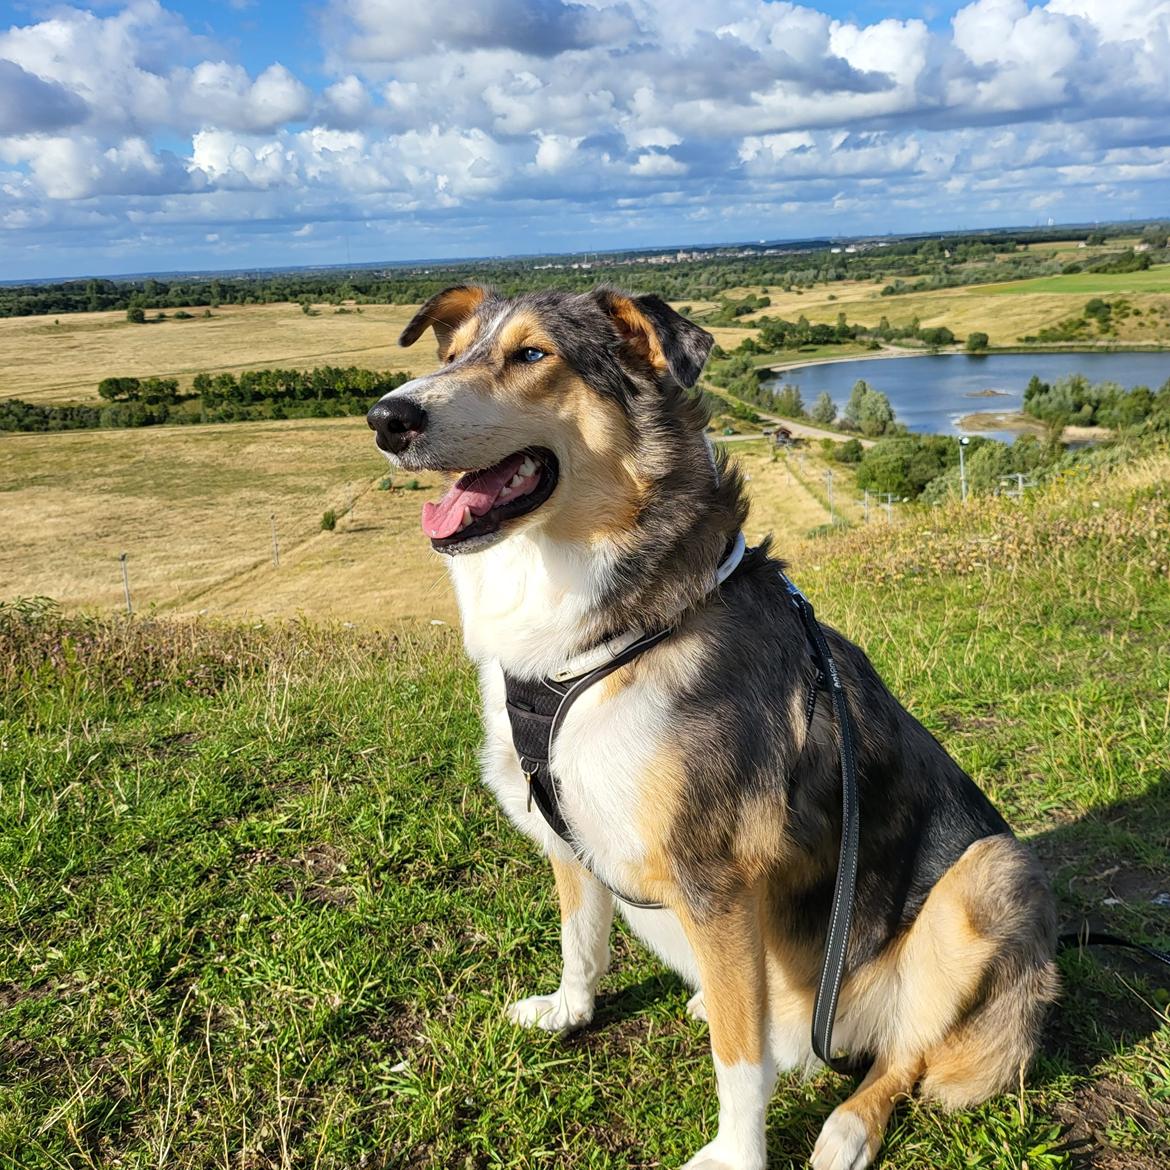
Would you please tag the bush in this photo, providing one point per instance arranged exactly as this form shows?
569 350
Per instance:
976 342
329 521
136 316
937 337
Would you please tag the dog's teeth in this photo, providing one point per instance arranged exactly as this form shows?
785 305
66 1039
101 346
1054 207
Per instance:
527 467
466 516
516 480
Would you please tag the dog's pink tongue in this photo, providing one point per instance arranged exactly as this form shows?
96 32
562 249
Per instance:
477 491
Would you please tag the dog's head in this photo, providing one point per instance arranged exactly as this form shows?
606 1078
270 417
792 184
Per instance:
540 409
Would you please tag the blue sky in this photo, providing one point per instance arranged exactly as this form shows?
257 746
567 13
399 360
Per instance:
151 135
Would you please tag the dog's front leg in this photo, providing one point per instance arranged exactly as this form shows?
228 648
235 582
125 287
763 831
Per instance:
586 918
730 955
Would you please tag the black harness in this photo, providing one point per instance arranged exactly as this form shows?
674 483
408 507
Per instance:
536 711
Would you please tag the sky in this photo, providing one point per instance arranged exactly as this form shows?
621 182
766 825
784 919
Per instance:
161 136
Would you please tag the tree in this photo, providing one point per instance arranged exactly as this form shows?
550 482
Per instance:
976 342
118 389
852 413
876 415
789 401
937 336
136 316
824 410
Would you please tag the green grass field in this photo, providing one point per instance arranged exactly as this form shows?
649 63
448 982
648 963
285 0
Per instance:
258 912
1100 284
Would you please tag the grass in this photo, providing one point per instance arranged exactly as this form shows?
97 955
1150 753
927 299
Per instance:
258 911
63 359
1091 284
1005 311
192 508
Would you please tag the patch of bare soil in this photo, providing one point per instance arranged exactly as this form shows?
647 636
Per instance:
1093 1109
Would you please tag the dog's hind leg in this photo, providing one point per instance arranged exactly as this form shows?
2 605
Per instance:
586 917
990 1046
729 949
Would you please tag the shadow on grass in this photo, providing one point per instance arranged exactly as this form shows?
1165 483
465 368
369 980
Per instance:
1110 869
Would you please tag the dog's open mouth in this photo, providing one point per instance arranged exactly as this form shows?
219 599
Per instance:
478 502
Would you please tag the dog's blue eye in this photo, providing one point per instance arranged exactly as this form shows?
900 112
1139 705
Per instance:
530 354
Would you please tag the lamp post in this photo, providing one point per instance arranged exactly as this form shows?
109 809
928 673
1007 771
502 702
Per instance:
963 468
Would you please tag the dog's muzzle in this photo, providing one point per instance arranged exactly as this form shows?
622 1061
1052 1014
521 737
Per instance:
396 423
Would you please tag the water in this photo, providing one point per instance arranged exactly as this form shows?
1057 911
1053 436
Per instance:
930 394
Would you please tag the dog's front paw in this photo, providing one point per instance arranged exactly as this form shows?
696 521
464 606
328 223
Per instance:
714 1156
696 1006
553 1013
844 1143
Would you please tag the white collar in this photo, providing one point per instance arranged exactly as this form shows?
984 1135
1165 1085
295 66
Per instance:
608 650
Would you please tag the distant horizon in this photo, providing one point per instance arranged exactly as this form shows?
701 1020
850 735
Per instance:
449 261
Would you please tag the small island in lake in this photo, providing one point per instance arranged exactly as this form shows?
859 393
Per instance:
988 393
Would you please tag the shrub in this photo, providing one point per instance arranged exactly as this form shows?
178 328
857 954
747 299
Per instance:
136 316
937 336
329 521
976 342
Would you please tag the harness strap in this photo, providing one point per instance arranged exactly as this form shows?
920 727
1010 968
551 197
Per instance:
534 733
845 888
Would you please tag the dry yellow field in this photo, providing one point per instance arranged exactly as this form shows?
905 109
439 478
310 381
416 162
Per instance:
1005 317
191 507
62 359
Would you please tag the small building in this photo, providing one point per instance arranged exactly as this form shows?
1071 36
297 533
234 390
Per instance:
781 437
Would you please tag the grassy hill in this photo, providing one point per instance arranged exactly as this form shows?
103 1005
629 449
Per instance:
258 912
62 359
1006 311
193 508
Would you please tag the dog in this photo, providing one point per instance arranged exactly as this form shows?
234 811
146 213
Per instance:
586 502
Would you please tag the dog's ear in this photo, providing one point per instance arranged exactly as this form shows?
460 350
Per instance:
657 334
444 312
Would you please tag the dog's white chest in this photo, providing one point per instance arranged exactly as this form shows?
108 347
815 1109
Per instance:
603 760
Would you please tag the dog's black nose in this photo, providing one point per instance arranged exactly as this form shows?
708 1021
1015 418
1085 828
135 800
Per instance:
396 422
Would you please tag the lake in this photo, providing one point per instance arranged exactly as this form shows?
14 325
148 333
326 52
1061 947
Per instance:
929 394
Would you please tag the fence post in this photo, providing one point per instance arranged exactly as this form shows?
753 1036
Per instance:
126 583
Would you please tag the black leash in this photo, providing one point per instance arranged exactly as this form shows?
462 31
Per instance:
1102 938
845 889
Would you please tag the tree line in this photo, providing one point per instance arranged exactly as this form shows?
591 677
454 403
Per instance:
1075 401
322 392
937 260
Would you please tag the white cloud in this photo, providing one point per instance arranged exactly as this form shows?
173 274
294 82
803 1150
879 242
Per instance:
218 94
653 165
494 118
